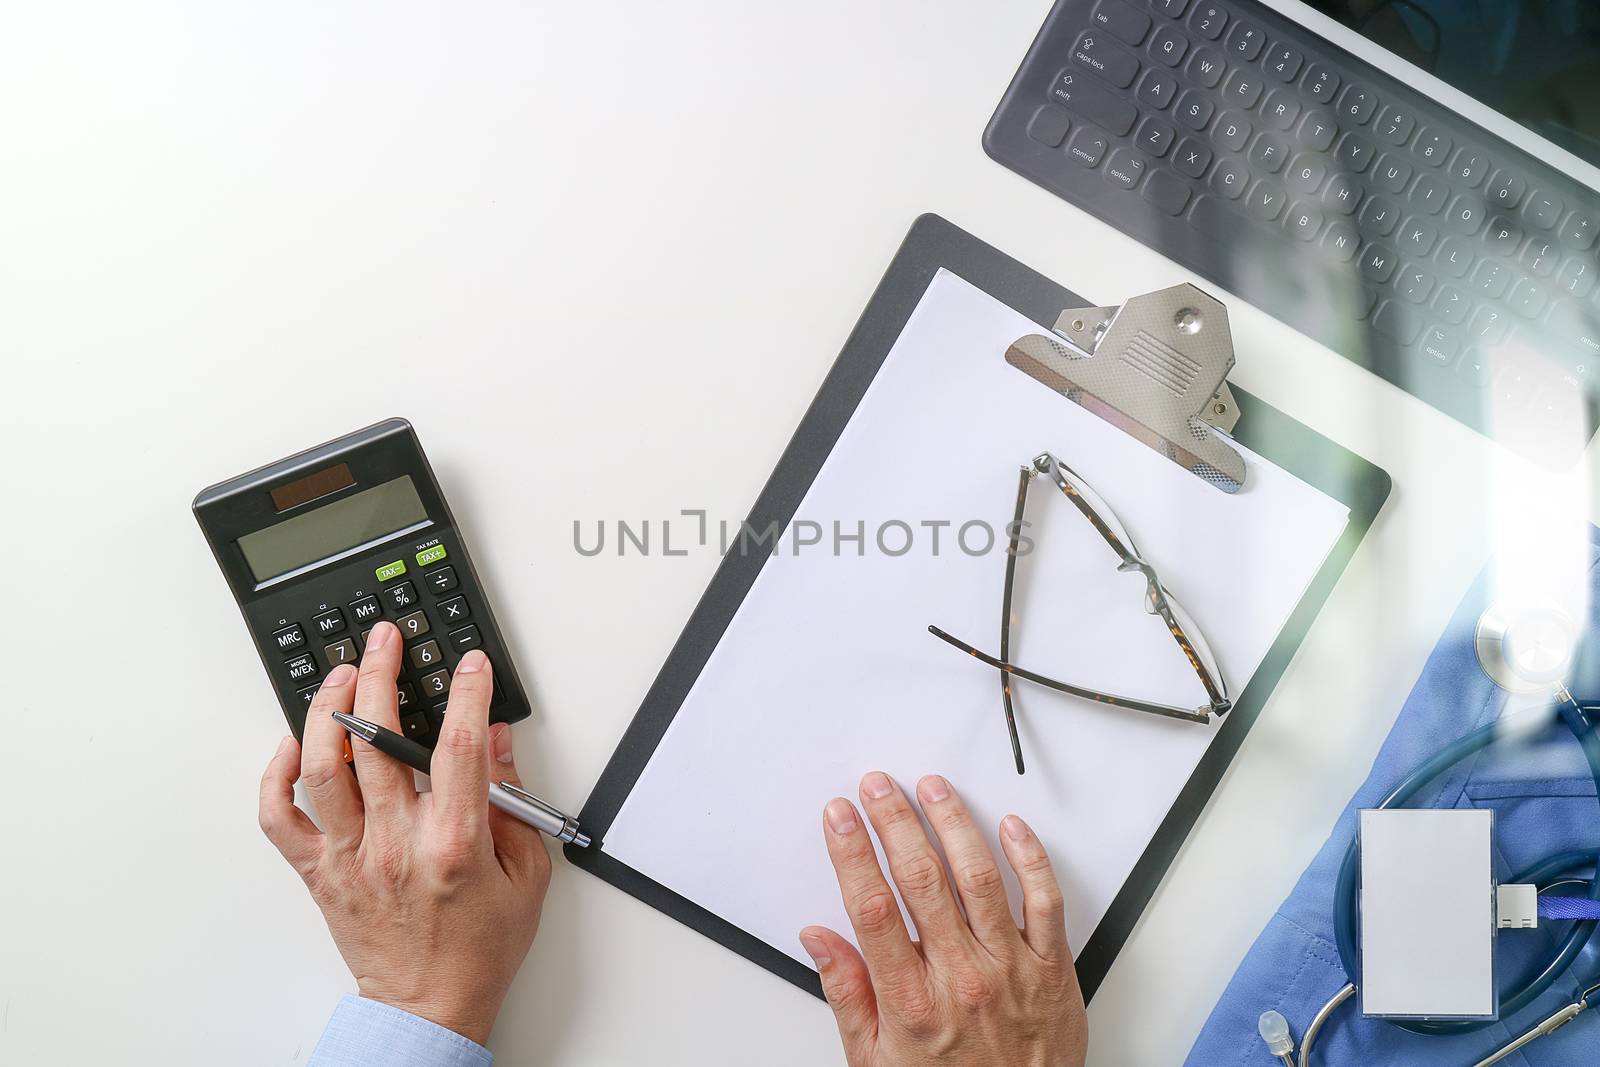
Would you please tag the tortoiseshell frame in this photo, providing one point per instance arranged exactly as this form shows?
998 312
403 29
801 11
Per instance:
1157 602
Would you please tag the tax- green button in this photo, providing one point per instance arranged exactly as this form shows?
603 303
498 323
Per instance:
430 555
391 570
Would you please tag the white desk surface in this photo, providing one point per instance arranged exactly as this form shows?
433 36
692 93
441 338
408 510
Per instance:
229 231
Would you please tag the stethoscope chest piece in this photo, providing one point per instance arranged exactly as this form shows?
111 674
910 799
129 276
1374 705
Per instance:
1525 648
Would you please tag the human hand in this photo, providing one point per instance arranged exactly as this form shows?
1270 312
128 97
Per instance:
432 899
973 990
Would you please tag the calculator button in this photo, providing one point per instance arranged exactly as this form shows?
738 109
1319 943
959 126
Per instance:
413 625
416 726
308 694
436 684
301 668
329 622
406 696
441 580
465 639
391 570
455 609
425 655
436 713
401 596
289 638
429 555
367 609
341 652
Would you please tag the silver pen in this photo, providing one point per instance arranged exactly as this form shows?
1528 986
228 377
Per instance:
511 799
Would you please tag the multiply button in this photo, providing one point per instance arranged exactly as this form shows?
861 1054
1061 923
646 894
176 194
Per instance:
455 609
401 596
441 580
329 622
366 609
289 638
301 668
413 625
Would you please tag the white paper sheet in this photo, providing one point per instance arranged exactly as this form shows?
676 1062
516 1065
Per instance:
828 670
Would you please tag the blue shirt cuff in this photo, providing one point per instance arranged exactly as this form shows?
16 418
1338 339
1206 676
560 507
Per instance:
368 1033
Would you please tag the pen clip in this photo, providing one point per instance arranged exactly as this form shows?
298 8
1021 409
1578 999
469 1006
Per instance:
528 798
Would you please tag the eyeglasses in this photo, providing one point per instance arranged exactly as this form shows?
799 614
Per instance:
1158 601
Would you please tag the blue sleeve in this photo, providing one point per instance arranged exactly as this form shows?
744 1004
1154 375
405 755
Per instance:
367 1033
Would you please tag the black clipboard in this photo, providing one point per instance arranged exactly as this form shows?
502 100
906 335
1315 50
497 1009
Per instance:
934 243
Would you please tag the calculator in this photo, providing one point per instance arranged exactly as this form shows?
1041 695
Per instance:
320 547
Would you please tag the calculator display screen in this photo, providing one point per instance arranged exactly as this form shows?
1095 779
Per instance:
333 528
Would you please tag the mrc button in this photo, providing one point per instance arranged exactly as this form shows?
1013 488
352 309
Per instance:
289 638
301 669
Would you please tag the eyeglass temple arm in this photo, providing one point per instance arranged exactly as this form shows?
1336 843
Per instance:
1201 715
1005 615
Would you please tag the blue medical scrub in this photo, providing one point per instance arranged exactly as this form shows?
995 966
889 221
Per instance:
1544 802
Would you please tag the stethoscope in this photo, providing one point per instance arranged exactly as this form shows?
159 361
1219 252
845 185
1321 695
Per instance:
1524 649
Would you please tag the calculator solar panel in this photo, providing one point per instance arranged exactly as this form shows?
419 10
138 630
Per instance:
1330 194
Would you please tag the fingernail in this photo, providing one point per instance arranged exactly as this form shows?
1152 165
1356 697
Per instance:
380 635
876 785
472 663
500 741
343 674
816 948
841 816
933 789
285 744
1014 828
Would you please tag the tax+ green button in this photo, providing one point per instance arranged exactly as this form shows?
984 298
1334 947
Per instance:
391 570
430 555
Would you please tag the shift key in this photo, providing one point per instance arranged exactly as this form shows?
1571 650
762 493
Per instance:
1084 95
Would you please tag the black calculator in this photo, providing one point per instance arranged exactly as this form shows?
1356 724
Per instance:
321 546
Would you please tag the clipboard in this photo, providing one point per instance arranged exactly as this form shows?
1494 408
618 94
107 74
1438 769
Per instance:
934 244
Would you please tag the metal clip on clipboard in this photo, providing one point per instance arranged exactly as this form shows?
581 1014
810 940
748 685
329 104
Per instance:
1156 367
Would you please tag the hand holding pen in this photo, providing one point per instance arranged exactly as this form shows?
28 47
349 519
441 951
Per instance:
433 900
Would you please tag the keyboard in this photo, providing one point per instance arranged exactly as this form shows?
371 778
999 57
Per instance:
1331 195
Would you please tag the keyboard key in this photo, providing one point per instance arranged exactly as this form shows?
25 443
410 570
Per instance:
1266 200
1208 20
1168 46
1528 298
1468 168
1304 221
1230 178
1392 173
1440 345
1192 157
301 668
1577 276
1283 62
1206 66
1049 125
289 638
1245 41
1280 109
1320 83
1124 168
1341 241
1540 258
435 685
1394 126
1233 131
1378 263
1269 153
1342 194
425 655
1396 320
1432 147
1455 256
1110 61
1491 279
1379 217
1166 191
366 610
1503 237
1451 304
1417 237
401 596
1317 130
1465 215
1506 190
329 622
1306 175
1574 326
1171 8
1242 89
413 625
465 639
1088 147
1488 326
1126 22
1090 98
341 652
1578 231
1429 194
1415 284
1194 109
1157 89
1357 104
454 610
1155 137
1542 211
1354 152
